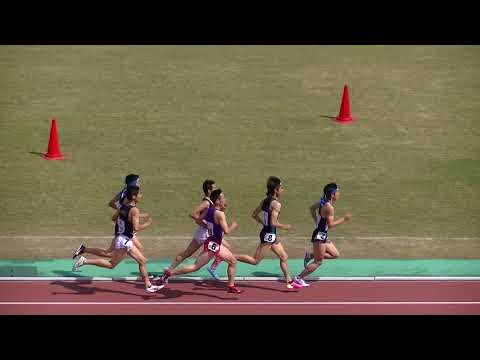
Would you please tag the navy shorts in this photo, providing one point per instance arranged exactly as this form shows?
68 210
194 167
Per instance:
319 236
268 238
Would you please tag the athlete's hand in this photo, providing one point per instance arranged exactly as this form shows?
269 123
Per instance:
347 217
287 227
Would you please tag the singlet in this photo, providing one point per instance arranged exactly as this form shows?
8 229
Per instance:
322 225
215 232
267 216
123 226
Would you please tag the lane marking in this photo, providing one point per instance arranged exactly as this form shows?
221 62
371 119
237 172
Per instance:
269 303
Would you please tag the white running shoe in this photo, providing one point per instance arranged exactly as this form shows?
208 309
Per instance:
300 281
78 263
154 288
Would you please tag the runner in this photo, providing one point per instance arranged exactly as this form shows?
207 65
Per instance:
127 221
212 247
115 203
320 241
201 233
270 209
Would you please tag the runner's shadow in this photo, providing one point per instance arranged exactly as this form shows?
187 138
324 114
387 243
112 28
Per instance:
221 286
170 293
78 289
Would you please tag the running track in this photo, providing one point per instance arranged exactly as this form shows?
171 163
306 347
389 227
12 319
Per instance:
367 297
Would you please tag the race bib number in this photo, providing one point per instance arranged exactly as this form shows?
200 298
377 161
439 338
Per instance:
321 236
213 246
269 237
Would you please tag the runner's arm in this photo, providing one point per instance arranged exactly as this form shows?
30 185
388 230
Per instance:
113 202
197 213
313 211
330 217
276 206
222 221
256 212
135 216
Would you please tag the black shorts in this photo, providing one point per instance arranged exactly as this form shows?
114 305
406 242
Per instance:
265 239
319 236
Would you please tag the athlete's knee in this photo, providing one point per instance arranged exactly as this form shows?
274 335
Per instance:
317 263
256 260
231 261
283 257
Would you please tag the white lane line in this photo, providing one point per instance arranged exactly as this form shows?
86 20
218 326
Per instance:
269 303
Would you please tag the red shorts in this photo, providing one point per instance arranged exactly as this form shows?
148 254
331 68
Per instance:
212 246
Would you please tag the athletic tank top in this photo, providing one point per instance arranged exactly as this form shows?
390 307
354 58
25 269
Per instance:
123 226
322 222
215 232
267 216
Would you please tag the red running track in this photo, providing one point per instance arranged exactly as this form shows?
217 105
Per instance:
368 297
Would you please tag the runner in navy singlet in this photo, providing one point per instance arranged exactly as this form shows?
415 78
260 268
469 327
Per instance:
115 203
319 239
270 210
127 222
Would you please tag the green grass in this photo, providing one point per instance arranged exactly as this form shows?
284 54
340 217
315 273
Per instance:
409 165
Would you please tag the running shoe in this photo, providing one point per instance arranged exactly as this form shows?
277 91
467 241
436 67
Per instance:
308 256
293 285
214 273
300 281
154 288
78 263
80 251
234 290
165 276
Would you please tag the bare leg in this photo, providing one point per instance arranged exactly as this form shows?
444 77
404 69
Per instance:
225 254
101 252
138 256
218 259
283 256
259 254
117 256
319 253
192 247
331 251
138 244
202 259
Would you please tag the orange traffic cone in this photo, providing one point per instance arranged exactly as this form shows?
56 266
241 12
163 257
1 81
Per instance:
345 116
53 152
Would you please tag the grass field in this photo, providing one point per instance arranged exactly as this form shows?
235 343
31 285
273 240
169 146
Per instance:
409 165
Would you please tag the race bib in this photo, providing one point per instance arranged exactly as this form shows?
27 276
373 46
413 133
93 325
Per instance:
213 246
321 236
269 237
